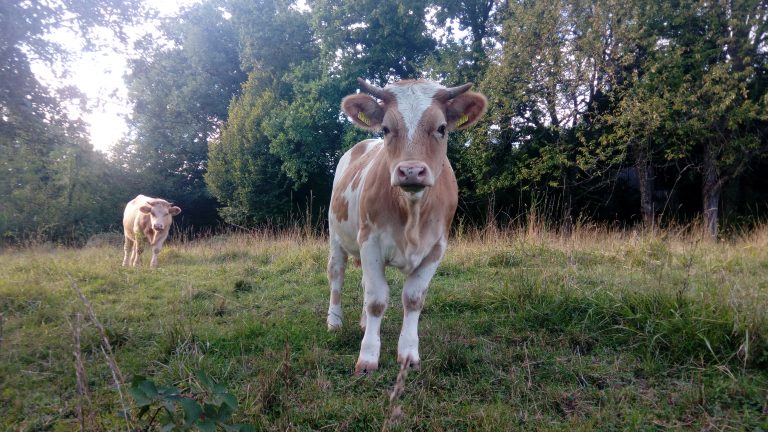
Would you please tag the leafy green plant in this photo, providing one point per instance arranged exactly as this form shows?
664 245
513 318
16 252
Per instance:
203 409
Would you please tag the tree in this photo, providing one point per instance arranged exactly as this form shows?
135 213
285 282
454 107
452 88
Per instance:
547 88
382 41
285 135
51 183
730 86
464 59
245 174
698 94
180 89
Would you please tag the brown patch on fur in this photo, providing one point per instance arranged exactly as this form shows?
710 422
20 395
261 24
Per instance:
376 309
340 208
363 234
332 272
356 180
335 297
413 304
339 204
358 150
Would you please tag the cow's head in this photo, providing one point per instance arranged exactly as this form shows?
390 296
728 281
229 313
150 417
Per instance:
160 213
415 118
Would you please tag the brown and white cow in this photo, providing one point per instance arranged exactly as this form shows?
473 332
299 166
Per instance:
149 219
393 201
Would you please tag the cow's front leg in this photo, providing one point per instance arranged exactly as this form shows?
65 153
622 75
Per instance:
414 293
155 253
337 265
375 298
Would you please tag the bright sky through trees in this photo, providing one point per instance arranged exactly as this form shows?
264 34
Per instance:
99 75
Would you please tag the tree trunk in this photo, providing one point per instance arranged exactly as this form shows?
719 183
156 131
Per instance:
711 188
645 176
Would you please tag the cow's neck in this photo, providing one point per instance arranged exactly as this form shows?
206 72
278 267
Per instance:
413 208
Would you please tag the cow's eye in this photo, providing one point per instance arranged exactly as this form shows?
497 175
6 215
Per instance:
441 131
385 130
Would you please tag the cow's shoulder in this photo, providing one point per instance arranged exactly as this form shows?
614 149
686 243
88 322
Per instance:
353 163
363 147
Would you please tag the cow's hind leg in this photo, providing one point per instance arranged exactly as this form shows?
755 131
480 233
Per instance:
127 249
414 293
337 265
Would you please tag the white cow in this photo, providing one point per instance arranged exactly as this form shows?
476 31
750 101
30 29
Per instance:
148 219
393 201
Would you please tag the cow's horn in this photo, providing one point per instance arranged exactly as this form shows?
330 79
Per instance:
371 89
455 91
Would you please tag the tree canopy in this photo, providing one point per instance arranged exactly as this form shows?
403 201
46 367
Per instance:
629 112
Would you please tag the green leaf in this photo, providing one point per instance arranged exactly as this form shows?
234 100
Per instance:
139 396
205 382
206 426
170 404
229 400
211 411
148 387
191 409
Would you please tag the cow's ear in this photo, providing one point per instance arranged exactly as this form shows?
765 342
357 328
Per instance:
364 111
465 110
145 209
174 210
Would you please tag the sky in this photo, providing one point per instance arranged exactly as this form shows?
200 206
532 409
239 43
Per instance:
99 75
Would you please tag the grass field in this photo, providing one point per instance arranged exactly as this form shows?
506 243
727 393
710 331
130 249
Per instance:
604 331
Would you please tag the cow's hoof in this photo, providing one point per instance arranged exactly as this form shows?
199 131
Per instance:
334 327
365 367
412 364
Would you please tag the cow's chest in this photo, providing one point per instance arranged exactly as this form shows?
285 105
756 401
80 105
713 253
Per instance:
404 256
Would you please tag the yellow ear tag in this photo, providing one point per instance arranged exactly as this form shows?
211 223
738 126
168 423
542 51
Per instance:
363 118
463 119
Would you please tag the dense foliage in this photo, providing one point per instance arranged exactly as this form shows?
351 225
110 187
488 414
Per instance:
627 112
52 184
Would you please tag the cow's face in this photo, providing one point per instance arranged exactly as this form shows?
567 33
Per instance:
160 213
415 118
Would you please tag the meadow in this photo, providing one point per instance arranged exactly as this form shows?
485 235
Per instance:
605 330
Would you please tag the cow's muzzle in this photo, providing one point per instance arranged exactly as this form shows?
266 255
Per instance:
158 227
412 176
